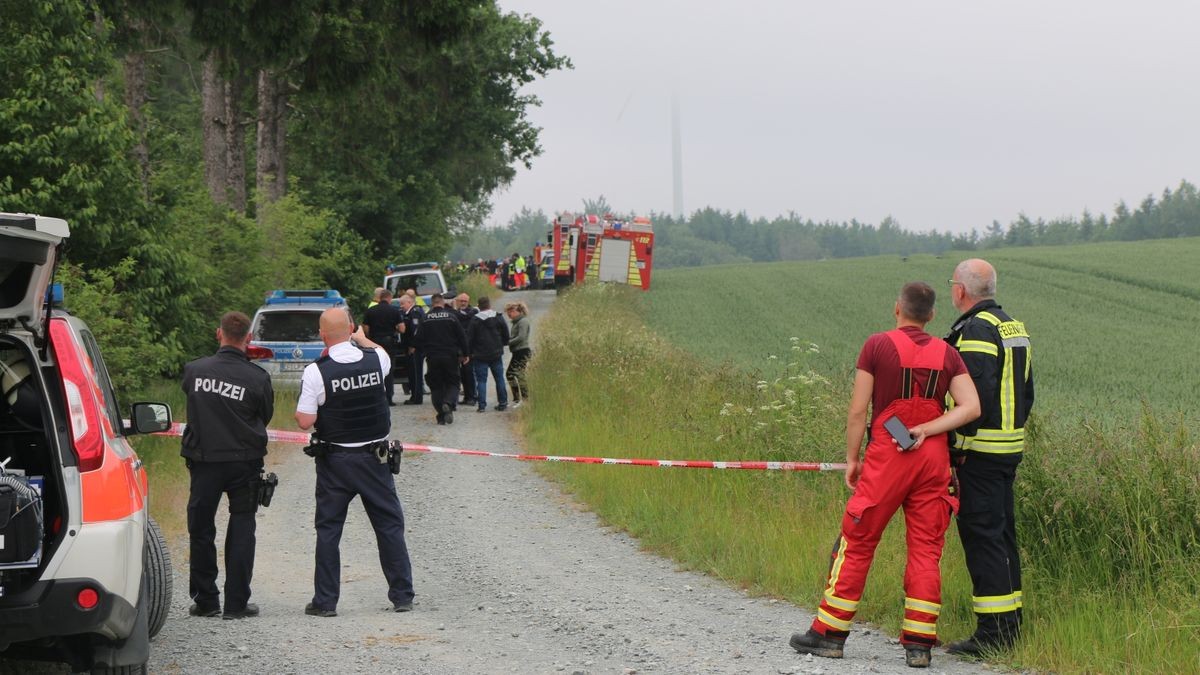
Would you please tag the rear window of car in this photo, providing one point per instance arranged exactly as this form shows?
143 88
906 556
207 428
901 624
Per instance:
425 284
288 326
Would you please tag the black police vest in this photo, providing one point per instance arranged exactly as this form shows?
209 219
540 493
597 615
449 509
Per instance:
355 408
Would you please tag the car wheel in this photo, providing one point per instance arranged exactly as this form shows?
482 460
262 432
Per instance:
161 577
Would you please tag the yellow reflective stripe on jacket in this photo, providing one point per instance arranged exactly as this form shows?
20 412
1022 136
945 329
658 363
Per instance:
995 441
1020 601
840 603
980 346
831 620
922 606
995 604
919 627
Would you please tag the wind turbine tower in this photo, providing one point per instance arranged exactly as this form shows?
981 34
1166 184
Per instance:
676 159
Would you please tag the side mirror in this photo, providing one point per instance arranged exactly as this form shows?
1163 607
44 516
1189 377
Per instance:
150 418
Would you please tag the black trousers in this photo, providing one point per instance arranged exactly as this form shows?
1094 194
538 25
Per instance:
987 527
466 377
416 380
209 480
516 374
442 374
340 477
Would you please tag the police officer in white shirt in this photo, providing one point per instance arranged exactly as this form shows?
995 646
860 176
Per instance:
342 396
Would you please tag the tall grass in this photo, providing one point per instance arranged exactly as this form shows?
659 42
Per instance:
1109 522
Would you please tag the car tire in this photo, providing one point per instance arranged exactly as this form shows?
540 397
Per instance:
160 577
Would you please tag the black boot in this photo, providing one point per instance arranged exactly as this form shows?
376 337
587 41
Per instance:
916 656
816 644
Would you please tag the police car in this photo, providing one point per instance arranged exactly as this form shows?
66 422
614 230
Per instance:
288 325
426 278
85 576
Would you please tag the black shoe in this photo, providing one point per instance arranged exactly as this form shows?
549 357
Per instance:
246 612
197 610
816 644
975 646
403 607
441 420
502 407
412 402
482 408
916 657
391 404
469 401
448 417
312 610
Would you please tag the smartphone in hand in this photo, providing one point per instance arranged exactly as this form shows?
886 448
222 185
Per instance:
899 431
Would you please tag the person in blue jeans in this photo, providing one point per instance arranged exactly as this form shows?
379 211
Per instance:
487 335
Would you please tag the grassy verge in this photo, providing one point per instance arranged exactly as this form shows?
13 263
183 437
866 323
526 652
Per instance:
165 468
1110 526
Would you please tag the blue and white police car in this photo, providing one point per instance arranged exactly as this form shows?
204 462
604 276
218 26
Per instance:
288 324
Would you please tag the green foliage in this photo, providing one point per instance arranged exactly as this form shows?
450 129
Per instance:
133 351
63 151
420 144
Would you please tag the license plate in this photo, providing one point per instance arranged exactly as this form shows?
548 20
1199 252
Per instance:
293 366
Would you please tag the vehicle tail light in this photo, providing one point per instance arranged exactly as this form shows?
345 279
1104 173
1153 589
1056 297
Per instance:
255 352
87 438
87 598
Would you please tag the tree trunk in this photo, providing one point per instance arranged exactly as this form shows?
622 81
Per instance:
135 101
235 144
270 175
216 155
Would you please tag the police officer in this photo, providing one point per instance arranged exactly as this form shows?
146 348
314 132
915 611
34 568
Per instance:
996 349
444 343
466 373
379 323
410 325
342 397
229 403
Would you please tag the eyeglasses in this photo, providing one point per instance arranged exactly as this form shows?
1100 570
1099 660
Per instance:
953 282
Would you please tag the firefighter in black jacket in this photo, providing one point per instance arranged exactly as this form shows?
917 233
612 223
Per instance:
342 396
229 403
996 349
444 343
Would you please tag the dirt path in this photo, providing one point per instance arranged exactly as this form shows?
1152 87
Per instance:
510 577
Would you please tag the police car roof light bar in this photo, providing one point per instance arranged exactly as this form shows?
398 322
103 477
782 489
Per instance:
305 297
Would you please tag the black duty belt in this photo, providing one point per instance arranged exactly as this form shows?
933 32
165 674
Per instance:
369 447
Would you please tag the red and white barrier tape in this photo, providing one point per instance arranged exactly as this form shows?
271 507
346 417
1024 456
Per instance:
301 437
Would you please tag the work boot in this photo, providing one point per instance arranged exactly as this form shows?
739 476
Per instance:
312 610
249 610
974 646
448 417
916 656
816 644
197 610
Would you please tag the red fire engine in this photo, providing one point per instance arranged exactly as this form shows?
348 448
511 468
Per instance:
591 248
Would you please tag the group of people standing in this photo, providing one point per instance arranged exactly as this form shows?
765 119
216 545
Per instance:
344 399
961 404
961 457
452 348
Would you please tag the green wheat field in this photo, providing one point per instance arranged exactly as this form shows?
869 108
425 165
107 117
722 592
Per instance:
755 362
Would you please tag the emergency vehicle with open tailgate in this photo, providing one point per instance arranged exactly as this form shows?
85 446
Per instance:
595 248
85 576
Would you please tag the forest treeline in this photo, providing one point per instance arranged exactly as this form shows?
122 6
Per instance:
711 237
205 151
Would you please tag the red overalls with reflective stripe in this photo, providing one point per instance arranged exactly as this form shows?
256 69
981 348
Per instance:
918 481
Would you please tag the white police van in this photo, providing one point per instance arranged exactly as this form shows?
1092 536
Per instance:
425 278
288 325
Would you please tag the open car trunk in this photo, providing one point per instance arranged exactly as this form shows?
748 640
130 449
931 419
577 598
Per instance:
33 503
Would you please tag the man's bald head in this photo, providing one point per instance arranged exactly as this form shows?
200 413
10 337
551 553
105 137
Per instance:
975 279
336 325
406 301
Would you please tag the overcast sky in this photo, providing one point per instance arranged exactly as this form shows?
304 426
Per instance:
943 114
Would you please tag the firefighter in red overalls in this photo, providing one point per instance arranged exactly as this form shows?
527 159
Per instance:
904 373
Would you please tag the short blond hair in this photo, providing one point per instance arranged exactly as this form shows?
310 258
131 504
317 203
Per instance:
521 308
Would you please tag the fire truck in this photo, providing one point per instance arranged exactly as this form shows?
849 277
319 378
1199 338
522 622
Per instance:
595 248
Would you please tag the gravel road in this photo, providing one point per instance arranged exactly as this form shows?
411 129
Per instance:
511 577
